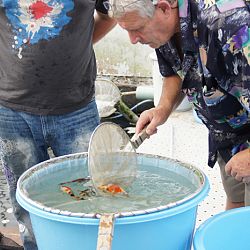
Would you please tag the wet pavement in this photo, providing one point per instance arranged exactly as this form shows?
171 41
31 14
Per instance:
6 211
8 225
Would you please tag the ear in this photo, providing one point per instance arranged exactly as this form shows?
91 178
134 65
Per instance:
165 6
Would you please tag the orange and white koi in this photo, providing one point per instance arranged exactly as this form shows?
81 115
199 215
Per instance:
113 189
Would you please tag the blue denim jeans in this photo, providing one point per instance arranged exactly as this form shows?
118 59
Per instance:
25 139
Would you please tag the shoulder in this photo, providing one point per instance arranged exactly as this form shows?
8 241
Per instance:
218 13
222 18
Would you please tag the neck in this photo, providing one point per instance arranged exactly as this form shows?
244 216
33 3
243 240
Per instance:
176 19
177 41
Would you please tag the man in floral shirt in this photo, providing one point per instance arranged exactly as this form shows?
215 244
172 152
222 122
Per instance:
203 49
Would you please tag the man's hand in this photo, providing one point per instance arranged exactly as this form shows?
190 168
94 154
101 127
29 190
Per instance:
239 166
152 118
170 96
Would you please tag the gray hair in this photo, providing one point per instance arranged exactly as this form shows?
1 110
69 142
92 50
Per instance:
145 8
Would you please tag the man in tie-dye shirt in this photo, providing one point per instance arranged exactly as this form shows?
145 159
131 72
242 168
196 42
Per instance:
47 76
203 49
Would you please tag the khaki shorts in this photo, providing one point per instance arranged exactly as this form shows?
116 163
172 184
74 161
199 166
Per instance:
236 191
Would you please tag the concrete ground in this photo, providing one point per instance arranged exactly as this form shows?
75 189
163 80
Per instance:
182 138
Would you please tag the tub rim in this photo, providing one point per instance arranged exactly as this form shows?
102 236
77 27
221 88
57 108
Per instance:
200 232
121 218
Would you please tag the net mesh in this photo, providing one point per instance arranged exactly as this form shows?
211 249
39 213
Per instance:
111 156
107 95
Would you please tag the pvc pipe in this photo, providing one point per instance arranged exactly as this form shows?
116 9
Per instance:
144 92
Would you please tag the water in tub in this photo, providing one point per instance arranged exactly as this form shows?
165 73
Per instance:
153 187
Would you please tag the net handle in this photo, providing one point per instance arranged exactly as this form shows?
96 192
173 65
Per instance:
105 232
137 140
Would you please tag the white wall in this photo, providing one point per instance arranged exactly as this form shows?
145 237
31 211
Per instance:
117 56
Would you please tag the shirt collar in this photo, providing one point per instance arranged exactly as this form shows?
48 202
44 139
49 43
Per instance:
188 23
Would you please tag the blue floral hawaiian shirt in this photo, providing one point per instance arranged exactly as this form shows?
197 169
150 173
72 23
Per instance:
215 42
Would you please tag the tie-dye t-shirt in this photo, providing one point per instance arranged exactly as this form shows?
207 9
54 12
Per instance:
215 41
47 62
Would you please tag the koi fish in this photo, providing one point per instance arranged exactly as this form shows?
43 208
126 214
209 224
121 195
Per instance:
67 190
113 189
79 180
83 195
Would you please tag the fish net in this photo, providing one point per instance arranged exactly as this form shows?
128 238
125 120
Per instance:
107 95
111 157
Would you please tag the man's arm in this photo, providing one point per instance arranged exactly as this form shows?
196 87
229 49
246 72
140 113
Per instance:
171 97
103 24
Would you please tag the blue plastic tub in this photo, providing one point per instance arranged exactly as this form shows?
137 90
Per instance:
167 227
228 230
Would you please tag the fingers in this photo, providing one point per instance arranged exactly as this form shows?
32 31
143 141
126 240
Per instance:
145 120
152 127
239 166
151 119
228 168
238 177
231 172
